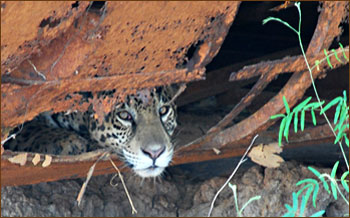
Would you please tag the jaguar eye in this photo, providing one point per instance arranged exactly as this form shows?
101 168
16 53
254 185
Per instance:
163 110
124 115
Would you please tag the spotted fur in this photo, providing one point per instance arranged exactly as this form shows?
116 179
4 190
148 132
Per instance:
38 137
138 130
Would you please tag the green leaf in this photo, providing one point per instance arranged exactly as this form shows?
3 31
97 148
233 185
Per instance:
318 214
336 56
302 205
346 140
314 184
304 200
327 57
277 116
286 128
318 104
313 181
342 48
314 195
343 115
286 105
330 104
280 134
302 120
288 207
343 181
334 169
302 104
337 113
313 117
295 202
310 185
334 186
325 185
344 94
314 105
340 134
290 212
296 121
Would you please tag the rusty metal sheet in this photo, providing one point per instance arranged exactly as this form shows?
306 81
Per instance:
268 71
64 167
123 46
112 48
26 26
327 29
288 64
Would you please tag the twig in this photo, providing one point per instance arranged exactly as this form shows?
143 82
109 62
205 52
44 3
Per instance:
8 138
133 210
89 175
181 90
242 160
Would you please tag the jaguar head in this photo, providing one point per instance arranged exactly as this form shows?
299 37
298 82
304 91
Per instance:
141 131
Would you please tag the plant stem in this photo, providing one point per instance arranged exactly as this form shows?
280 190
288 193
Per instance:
314 86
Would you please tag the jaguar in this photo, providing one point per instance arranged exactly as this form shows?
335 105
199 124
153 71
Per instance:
139 130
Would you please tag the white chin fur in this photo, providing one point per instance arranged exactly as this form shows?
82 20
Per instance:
142 164
151 172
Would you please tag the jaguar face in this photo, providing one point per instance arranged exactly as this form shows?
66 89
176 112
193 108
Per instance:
140 130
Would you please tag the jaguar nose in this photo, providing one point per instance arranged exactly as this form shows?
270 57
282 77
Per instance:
154 153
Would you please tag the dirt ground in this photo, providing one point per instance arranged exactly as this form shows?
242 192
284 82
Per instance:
174 195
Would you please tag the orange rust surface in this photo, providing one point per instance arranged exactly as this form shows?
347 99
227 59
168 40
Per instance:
124 46
288 64
60 50
23 28
62 168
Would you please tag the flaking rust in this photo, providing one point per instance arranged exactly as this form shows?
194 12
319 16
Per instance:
80 48
68 48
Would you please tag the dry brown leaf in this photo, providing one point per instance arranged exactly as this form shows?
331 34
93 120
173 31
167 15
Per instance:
36 159
47 161
20 159
266 155
2 149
